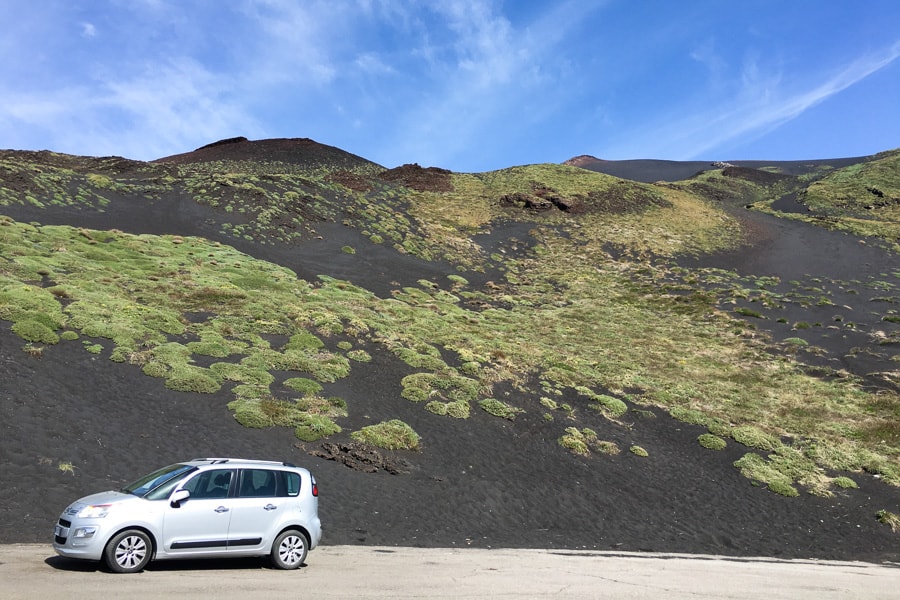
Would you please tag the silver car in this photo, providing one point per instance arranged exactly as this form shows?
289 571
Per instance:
202 508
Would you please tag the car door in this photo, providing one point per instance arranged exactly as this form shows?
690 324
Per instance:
257 510
199 525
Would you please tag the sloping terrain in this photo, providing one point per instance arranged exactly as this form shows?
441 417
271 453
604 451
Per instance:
542 356
650 170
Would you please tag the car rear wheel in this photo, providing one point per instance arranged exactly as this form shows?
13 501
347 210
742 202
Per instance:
128 552
289 550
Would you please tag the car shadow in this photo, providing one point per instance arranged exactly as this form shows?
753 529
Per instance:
196 564
61 563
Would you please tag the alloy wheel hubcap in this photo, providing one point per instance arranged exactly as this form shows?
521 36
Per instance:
130 552
291 550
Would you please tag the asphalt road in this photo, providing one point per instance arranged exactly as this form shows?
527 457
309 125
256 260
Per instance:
34 571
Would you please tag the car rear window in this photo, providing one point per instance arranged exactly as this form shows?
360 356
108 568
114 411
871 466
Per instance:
261 483
292 482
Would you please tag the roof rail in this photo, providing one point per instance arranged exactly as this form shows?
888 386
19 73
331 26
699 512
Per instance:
219 461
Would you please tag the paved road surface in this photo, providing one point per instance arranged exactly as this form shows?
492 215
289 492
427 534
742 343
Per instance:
332 572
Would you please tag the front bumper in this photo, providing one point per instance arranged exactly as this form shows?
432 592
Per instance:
79 538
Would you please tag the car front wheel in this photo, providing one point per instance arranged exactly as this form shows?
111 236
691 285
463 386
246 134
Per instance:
128 552
289 550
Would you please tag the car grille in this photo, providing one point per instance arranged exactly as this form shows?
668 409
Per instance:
63 527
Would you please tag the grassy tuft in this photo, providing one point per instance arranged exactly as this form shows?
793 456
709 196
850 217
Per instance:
755 467
753 437
34 331
577 442
458 409
307 387
359 356
499 408
583 441
845 483
711 442
315 428
33 351
638 451
390 435
606 447
611 407
191 379
890 519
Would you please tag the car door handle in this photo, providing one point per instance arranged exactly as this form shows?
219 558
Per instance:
269 507
221 509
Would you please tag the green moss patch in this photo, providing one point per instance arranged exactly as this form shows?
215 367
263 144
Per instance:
499 408
712 442
390 435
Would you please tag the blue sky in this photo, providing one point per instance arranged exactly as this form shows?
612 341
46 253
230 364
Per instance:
467 85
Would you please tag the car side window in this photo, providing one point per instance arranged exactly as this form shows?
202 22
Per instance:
292 483
210 484
261 483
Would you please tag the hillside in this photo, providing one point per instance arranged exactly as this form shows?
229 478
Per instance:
650 170
543 356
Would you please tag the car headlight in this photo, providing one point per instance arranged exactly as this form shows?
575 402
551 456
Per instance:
94 511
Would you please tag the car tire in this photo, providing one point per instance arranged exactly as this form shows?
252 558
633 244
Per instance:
128 552
289 549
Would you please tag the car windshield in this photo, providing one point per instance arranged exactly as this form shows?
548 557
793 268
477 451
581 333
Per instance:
146 484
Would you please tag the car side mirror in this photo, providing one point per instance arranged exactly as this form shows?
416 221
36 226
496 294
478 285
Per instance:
179 497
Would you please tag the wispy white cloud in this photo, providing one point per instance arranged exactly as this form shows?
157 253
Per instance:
165 109
457 83
706 54
293 42
486 50
370 63
765 101
495 77
768 107
481 59
177 105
